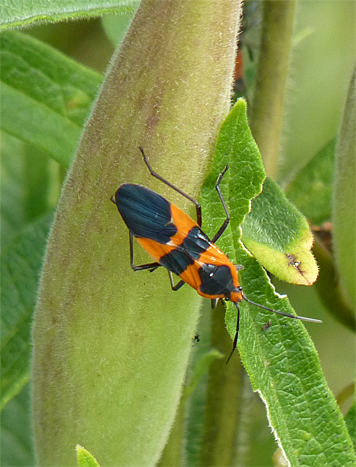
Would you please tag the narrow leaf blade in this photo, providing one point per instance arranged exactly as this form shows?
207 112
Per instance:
12 212
46 96
16 432
20 269
23 12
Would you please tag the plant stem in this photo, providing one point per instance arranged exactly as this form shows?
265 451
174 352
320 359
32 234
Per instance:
223 397
329 289
272 71
344 200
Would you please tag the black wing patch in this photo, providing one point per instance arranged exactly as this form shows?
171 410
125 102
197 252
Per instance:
184 255
196 242
216 280
177 260
146 213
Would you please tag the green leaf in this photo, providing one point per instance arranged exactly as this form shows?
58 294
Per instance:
85 459
350 419
311 188
20 269
46 96
13 217
281 360
234 144
41 182
344 199
278 236
22 12
30 185
16 432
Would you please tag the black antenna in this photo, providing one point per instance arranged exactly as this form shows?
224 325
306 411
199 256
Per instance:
301 318
288 315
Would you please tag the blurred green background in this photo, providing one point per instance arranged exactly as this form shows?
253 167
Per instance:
323 58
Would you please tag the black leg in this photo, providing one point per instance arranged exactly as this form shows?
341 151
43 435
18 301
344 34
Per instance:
154 174
178 285
151 266
237 333
227 220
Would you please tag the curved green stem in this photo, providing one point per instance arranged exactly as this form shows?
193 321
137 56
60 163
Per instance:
272 71
344 199
329 289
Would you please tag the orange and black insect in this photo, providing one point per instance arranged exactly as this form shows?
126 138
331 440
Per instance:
177 242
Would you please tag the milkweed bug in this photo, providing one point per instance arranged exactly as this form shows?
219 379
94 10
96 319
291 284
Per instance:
177 242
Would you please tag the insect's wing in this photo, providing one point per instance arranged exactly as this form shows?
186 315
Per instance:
146 213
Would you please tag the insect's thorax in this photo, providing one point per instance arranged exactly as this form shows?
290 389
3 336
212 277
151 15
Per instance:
219 278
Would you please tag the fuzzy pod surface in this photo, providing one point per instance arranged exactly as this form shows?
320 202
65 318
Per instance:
111 346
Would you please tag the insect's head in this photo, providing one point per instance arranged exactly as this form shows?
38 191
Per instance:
236 295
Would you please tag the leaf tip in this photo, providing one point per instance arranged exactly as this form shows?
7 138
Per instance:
302 267
84 458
